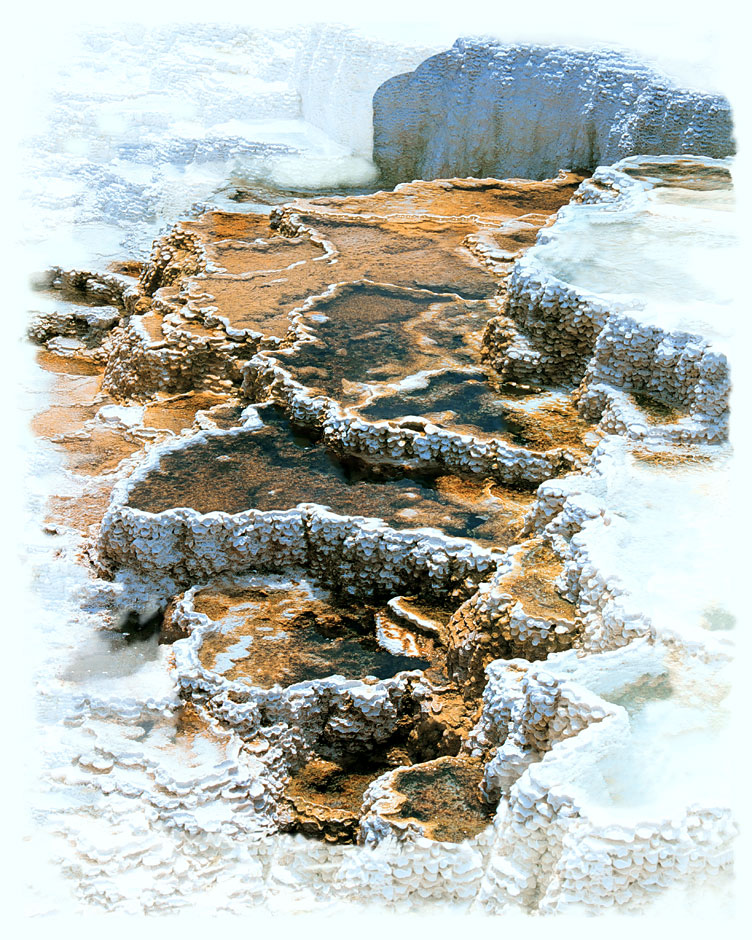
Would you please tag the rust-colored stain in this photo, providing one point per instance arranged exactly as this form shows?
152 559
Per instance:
243 244
67 365
189 721
553 424
324 798
179 412
75 398
63 419
674 459
273 468
79 512
100 451
127 268
444 797
414 238
488 200
152 323
531 582
268 636
655 411
379 335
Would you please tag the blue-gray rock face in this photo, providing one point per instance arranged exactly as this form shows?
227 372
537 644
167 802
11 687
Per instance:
488 109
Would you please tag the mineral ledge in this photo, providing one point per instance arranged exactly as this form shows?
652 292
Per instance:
380 469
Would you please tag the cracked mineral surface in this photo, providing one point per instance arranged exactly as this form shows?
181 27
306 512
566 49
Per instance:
392 525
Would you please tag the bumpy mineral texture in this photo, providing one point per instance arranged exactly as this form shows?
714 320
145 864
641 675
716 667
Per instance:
375 481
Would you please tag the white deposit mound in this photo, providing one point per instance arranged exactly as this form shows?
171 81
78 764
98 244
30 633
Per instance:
484 108
642 314
647 529
663 250
145 122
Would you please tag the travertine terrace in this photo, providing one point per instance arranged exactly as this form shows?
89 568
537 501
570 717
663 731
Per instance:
365 463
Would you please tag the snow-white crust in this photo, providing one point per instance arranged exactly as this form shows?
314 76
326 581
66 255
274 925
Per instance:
169 112
553 847
556 331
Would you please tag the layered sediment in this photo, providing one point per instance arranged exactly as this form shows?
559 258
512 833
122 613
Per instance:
386 512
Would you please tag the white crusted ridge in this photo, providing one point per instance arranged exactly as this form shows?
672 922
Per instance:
605 329
186 545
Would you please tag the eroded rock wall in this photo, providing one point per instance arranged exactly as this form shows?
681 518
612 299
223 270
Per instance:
488 109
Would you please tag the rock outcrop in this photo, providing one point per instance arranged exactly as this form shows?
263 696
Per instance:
489 109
